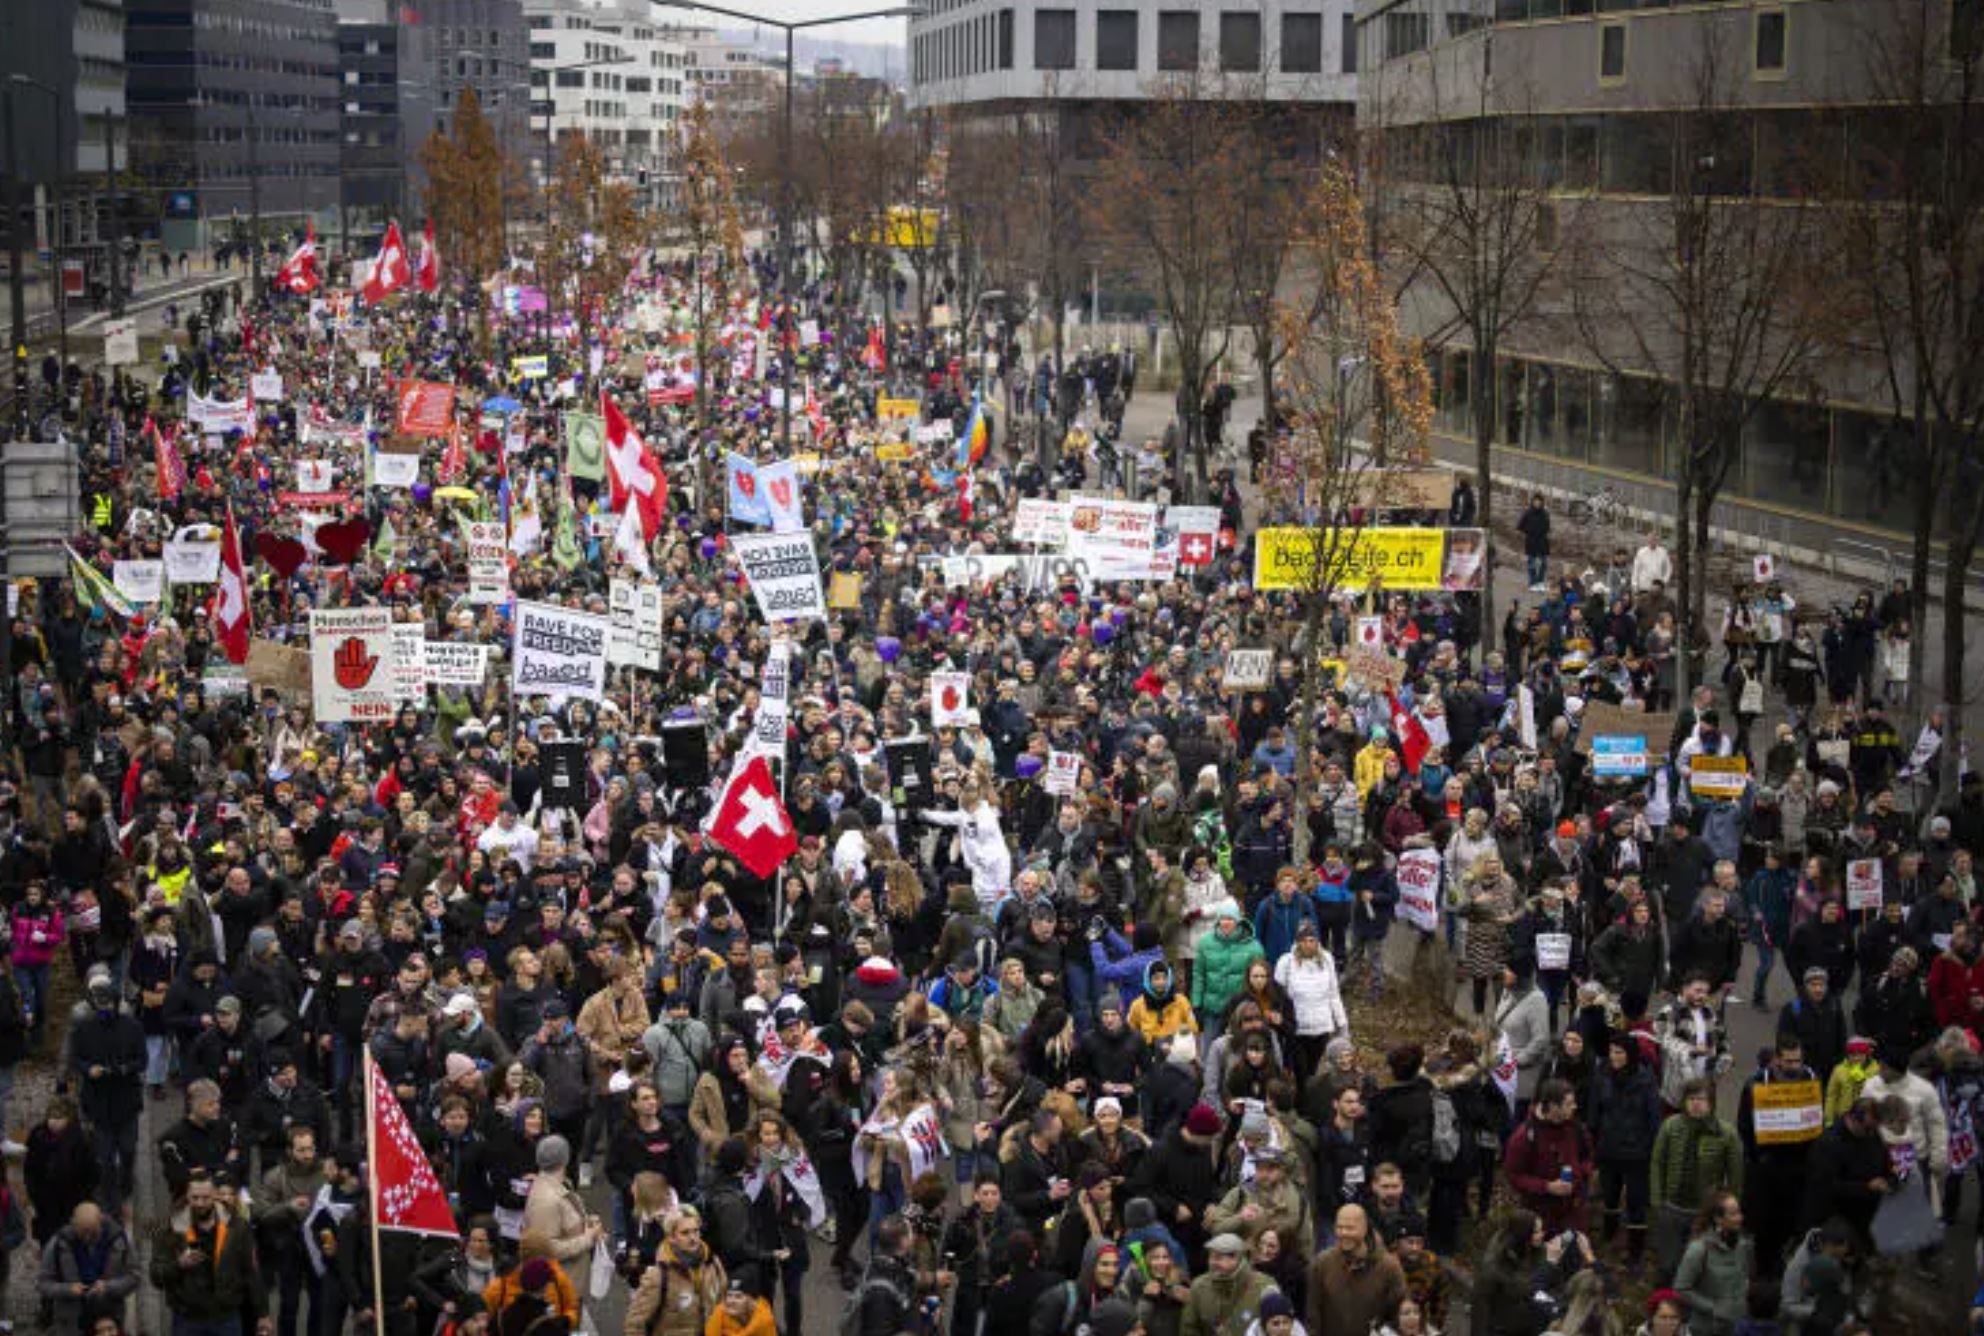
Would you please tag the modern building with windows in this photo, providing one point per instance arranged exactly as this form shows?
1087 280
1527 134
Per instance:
234 109
1590 93
483 45
1000 56
70 115
388 103
607 70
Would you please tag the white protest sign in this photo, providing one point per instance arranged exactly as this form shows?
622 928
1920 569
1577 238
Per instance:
1863 883
1042 523
560 652
784 572
1418 876
353 679
192 560
410 661
1116 538
1553 950
392 468
368 359
265 386
315 475
767 736
1249 669
1371 632
139 581
447 663
633 637
1064 772
120 343
488 561
950 697
1763 568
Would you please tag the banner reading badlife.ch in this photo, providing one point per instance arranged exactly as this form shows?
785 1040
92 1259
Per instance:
1285 558
560 652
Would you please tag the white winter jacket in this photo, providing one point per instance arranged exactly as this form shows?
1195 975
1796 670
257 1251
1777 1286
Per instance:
1312 987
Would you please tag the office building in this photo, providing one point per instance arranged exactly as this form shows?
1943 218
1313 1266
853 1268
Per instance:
234 112
388 107
483 45
607 70
72 54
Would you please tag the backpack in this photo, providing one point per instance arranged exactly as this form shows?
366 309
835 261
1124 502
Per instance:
1446 1128
850 1309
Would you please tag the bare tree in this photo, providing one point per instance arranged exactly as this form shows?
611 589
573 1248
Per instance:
473 188
710 227
1912 252
1713 294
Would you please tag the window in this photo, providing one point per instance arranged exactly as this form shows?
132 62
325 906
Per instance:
1612 53
1005 39
1771 34
1302 43
1053 39
1966 28
1116 39
571 78
1239 43
1349 63
1177 40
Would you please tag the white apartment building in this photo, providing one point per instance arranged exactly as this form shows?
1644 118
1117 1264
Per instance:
608 70
1006 54
734 79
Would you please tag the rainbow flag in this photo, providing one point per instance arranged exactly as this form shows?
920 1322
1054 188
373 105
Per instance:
977 436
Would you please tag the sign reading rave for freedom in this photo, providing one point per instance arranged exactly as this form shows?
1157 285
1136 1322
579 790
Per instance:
560 652
784 572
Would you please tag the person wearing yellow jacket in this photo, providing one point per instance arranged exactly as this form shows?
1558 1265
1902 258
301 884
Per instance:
1368 767
1160 1011
1843 1086
741 1313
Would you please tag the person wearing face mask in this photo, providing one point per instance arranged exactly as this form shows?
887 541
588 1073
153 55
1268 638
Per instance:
106 1058
203 1263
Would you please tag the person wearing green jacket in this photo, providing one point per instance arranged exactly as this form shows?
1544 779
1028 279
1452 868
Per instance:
1716 1270
1694 1154
1220 971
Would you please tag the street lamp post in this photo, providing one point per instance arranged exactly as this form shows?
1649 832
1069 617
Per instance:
785 177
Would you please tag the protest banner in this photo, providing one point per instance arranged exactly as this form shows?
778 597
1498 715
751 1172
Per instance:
120 342
1617 756
353 675
139 581
1405 559
315 475
889 410
1197 528
218 417
950 698
1040 522
1115 538
1718 776
633 613
1864 884
1602 719
1418 876
265 387
844 591
767 735
784 572
1064 772
449 663
368 359
190 561
1787 1112
895 451
532 366
585 446
410 661
393 468
560 652
424 408
1249 669
488 561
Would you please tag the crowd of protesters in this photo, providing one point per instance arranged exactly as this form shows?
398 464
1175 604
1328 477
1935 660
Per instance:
999 1059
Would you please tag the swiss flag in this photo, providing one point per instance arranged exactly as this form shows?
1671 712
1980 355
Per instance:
389 271
405 1194
427 270
171 468
633 472
1413 740
1195 549
231 615
299 272
751 822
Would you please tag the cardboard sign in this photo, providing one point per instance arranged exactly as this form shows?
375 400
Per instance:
1718 776
844 591
1418 876
1064 772
1604 719
784 572
1617 756
281 668
1787 1112
368 359
1864 886
560 652
448 663
139 581
354 676
1249 669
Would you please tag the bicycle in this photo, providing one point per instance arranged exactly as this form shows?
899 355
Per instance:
1603 508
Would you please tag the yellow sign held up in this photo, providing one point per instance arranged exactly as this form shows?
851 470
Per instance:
895 451
889 410
1787 1112
1285 558
1718 776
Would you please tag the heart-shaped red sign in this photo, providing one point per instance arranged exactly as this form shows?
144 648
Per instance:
344 540
747 484
782 492
950 698
284 555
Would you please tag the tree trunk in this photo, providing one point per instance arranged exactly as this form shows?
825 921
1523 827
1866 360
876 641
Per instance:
1264 359
1956 575
1928 487
1305 725
1484 485
1684 575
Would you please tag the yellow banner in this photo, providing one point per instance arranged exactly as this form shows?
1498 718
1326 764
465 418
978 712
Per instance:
1787 1111
1399 558
888 409
1718 776
895 451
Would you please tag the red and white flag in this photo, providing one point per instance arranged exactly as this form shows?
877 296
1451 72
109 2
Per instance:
1413 739
232 619
966 490
299 272
389 272
171 468
751 822
405 1194
633 474
427 271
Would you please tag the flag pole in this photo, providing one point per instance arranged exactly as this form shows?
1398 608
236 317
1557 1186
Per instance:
372 1198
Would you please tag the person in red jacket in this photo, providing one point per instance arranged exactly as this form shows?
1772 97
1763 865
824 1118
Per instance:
1549 1158
1956 981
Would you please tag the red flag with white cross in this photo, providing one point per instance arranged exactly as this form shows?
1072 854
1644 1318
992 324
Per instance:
751 822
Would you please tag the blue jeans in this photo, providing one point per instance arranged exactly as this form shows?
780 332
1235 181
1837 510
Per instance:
1080 984
32 980
158 1059
1539 568
884 1202
1766 959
